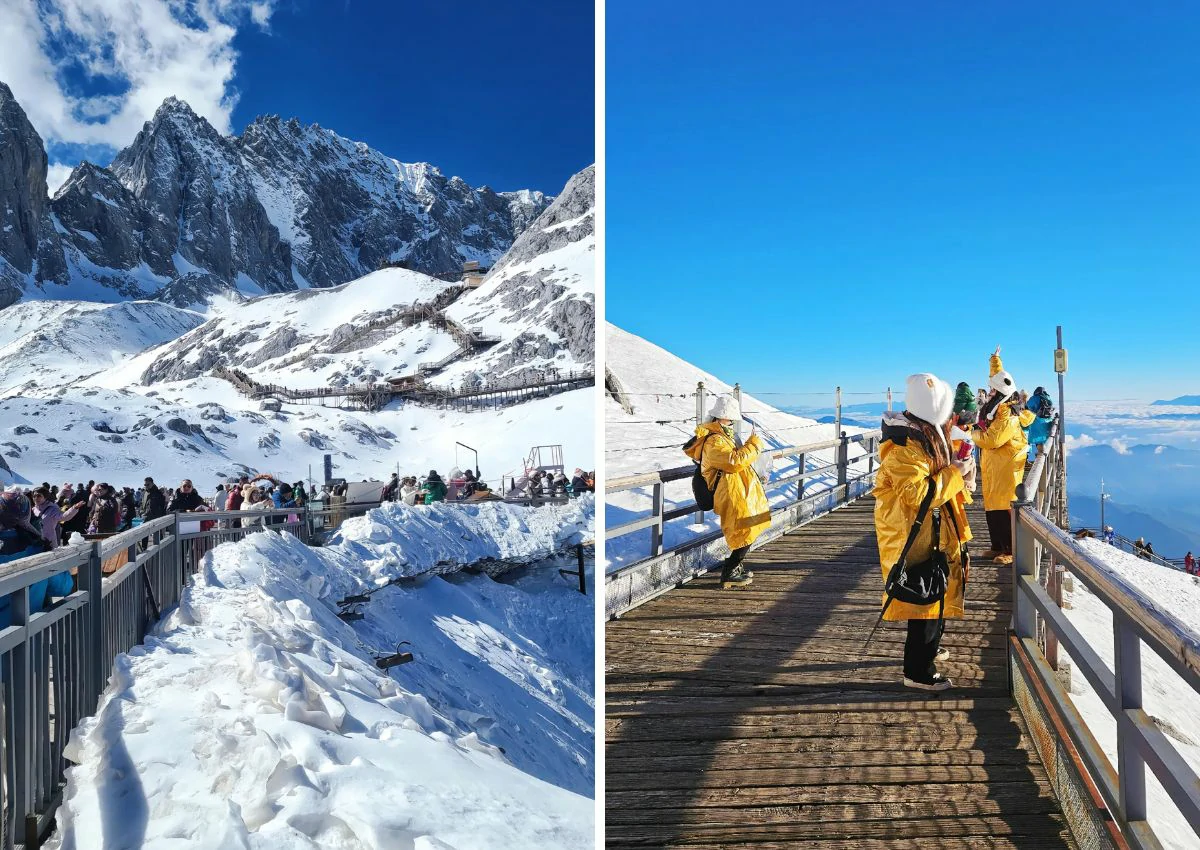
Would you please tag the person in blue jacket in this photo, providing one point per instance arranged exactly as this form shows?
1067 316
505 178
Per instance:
20 539
1039 430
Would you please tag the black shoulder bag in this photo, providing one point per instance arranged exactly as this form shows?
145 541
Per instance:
923 583
703 495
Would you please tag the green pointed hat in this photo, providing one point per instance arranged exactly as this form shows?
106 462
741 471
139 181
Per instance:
964 398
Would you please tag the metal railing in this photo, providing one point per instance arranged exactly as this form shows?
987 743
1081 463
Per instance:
666 567
1040 544
55 663
1126 545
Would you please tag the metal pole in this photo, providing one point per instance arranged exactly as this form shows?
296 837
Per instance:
1103 527
582 580
699 515
1062 415
737 425
889 403
837 426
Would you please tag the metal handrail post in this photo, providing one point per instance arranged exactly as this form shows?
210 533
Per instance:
656 530
22 717
699 518
1024 616
843 467
1127 673
91 578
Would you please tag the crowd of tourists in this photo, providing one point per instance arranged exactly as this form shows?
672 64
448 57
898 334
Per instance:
934 456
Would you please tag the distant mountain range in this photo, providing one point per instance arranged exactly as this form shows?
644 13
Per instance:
1183 401
1163 483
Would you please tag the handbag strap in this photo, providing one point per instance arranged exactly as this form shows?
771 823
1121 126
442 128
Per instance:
916 526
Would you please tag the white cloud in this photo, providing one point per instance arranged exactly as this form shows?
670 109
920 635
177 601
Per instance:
148 49
56 175
1073 442
1121 447
1159 449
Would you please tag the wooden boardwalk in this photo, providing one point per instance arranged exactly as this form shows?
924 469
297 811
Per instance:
757 719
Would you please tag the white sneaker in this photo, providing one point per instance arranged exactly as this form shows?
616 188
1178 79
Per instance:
937 683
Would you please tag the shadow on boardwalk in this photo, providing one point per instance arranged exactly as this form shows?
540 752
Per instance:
760 719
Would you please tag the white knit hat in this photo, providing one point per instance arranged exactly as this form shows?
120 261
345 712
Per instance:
725 407
929 398
1003 383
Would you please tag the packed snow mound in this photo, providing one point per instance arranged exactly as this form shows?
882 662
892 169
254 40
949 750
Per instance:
539 300
1165 696
399 540
52 343
255 718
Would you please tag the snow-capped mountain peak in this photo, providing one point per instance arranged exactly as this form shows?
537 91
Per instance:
282 207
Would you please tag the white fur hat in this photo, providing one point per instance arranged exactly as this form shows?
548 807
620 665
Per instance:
725 407
1003 383
929 398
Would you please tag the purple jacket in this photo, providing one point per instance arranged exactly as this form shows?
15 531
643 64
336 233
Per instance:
49 515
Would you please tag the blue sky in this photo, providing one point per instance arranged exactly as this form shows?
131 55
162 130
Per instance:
499 94
816 194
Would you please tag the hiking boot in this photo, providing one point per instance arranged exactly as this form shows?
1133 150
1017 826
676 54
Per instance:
738 578
1002 559
936 682
989 554
942 654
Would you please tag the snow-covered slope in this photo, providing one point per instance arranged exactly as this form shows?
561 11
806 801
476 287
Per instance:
650 412
540 299
255 718
113 411
45 344
1165 696
307 339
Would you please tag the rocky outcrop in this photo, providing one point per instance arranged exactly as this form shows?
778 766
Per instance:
30 249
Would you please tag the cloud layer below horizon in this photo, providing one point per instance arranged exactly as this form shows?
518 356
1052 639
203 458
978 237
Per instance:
1126 424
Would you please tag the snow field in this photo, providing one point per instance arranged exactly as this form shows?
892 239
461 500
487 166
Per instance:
255 718
1165 696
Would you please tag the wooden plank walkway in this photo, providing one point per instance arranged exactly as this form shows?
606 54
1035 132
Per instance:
758 719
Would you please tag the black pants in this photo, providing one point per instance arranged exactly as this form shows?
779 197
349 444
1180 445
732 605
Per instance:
921 645
733 562
1000 530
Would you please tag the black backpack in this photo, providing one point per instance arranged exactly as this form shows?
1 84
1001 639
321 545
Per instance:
1045 407
704 496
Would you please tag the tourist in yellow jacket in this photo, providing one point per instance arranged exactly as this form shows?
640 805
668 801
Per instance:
1004 446
914 452
739 498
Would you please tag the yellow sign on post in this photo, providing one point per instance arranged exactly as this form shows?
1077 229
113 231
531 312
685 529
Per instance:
1060 360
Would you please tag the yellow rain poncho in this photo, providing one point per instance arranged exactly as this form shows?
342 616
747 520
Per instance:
900 487
739 500
1003 450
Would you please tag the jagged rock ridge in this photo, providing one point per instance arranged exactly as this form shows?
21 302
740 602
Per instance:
279 208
